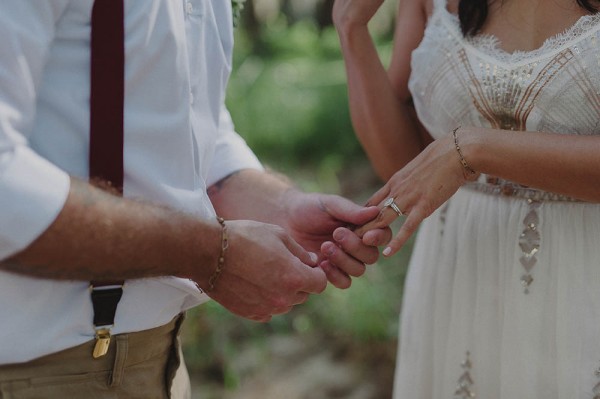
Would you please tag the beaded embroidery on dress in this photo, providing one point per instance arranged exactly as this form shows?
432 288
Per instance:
519 91
465 289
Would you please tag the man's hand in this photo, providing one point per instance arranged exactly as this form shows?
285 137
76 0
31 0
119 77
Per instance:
266 272
325 223
319 223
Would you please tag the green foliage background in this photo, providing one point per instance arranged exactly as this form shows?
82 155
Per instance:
288 98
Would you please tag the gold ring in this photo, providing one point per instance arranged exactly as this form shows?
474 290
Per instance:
390 203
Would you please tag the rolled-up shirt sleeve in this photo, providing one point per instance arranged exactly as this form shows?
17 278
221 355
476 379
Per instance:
32 190
231 152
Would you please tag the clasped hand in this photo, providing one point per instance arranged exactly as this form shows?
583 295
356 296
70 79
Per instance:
418 189
269 268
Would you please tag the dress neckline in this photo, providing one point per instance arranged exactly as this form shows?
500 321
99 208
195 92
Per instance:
489 46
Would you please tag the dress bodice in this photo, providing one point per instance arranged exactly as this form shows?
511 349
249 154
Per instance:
473 82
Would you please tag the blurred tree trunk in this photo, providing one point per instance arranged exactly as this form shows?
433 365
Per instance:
323 14
253 29
249 22
288 10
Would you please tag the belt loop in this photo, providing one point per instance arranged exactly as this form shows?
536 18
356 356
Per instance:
122 348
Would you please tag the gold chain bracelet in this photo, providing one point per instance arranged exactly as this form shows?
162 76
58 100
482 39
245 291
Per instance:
462 159
221 262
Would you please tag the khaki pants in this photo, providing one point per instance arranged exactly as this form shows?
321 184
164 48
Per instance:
144 365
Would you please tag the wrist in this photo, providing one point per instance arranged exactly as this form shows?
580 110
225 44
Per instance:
467 170
204 259
290 200
212 280
472 148
349 30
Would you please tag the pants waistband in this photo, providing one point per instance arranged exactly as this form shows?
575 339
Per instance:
138 347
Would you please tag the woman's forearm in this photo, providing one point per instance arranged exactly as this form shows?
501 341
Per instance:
560 163
381 118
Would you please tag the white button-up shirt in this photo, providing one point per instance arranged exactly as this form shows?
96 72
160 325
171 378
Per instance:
179 139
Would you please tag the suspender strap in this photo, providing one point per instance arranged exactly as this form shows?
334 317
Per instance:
107 90
105 303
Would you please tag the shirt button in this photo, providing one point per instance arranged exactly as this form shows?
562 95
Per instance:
189 8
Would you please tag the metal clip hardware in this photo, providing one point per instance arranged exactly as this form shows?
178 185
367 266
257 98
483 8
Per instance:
102 342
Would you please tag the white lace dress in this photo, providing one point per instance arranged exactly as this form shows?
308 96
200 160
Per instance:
502 298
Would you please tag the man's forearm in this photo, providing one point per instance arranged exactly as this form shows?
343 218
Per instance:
252 194
99 236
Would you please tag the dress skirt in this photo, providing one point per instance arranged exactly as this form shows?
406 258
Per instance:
502 301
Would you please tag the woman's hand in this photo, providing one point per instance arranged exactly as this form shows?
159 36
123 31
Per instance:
354 12
418 189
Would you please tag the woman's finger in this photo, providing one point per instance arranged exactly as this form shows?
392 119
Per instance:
385 217
379 196
409 226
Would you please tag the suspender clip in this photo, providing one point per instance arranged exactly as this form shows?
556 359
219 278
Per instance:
102 342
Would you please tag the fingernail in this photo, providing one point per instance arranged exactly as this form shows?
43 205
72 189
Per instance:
338 235
387 251
330 250
313 257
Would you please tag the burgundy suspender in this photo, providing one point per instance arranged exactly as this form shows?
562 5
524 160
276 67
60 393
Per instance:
106 138
107 92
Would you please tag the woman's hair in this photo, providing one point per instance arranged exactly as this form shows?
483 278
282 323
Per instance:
472 13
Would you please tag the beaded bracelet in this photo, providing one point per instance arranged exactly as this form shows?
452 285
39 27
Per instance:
221 262
462 159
